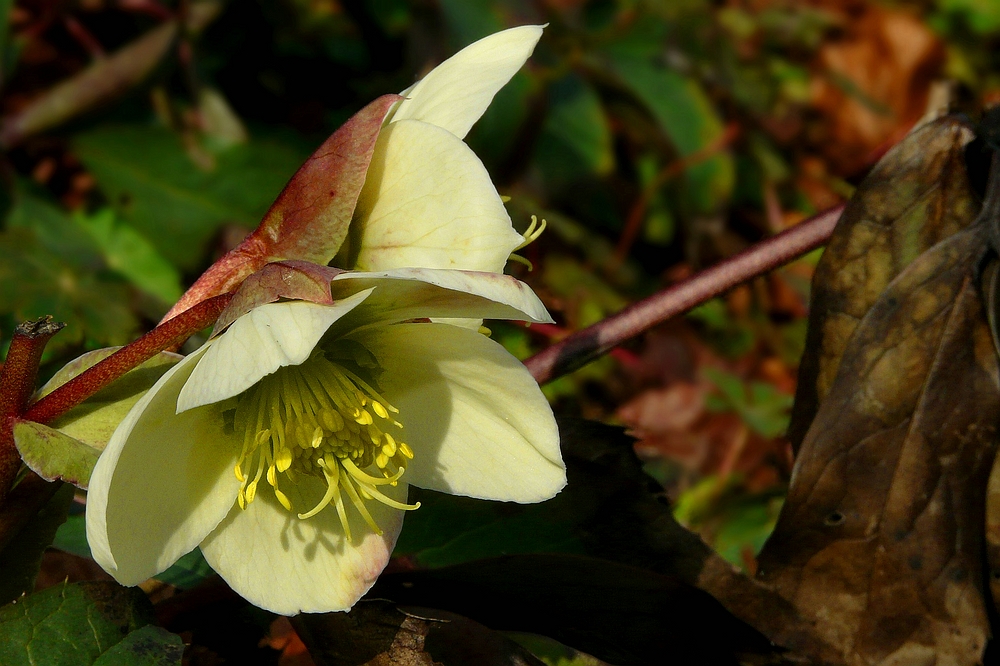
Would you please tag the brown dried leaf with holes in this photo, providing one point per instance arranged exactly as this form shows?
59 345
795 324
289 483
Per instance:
881 538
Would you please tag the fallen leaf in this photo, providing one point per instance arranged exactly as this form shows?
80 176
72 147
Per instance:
872 83
917 195
379 633
880 539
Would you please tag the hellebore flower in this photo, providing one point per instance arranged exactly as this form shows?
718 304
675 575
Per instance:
427 200
284 446
395 186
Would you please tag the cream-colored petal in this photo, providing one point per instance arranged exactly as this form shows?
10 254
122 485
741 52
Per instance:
428 202
456 93
258 343
162 484
410 293
476 420
286 565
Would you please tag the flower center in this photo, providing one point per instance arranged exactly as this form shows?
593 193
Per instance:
320 419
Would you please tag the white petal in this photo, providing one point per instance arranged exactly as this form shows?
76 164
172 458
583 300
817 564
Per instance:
258 343
428 202
410 293
476 420
455 94
162 484
286 565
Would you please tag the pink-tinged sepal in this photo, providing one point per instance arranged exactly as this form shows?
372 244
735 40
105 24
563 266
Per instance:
310 218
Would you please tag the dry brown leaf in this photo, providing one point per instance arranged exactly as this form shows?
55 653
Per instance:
379 633
880 540
674 407
915 196
873 84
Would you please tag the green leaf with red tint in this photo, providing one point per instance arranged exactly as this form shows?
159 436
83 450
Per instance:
310 218
298 280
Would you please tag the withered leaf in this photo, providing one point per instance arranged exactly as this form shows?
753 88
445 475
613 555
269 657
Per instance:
378 633
880 539
917 195
104 80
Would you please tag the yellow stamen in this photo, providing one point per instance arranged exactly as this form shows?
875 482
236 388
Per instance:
320 419
371 480
360 506
283 498
529 236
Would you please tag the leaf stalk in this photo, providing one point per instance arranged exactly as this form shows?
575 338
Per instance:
164 336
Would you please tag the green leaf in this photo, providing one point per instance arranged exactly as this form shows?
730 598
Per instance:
95 419
149 646
982 17
552 652
470 20
21 559
762 407
69 446
54 229
154 184
35 281
746 525
575 140
490 137
131 254
71 537
450 530
188 571
54 456
685 114
70 624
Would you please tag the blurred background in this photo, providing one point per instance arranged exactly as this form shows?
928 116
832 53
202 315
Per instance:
143 138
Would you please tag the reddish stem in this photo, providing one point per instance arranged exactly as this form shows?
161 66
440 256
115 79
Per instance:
84 37
100 375
586 345
17 383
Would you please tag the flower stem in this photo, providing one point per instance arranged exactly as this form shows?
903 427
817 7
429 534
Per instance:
17 382
586 345
164 336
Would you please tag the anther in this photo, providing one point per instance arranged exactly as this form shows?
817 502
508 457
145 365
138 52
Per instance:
322 420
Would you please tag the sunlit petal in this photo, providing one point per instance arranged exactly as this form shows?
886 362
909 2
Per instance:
474 417
455 94
286 565
410 293
428 202
162 484
258 343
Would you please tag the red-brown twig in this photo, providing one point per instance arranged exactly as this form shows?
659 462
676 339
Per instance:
17 380
87 383
586 345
